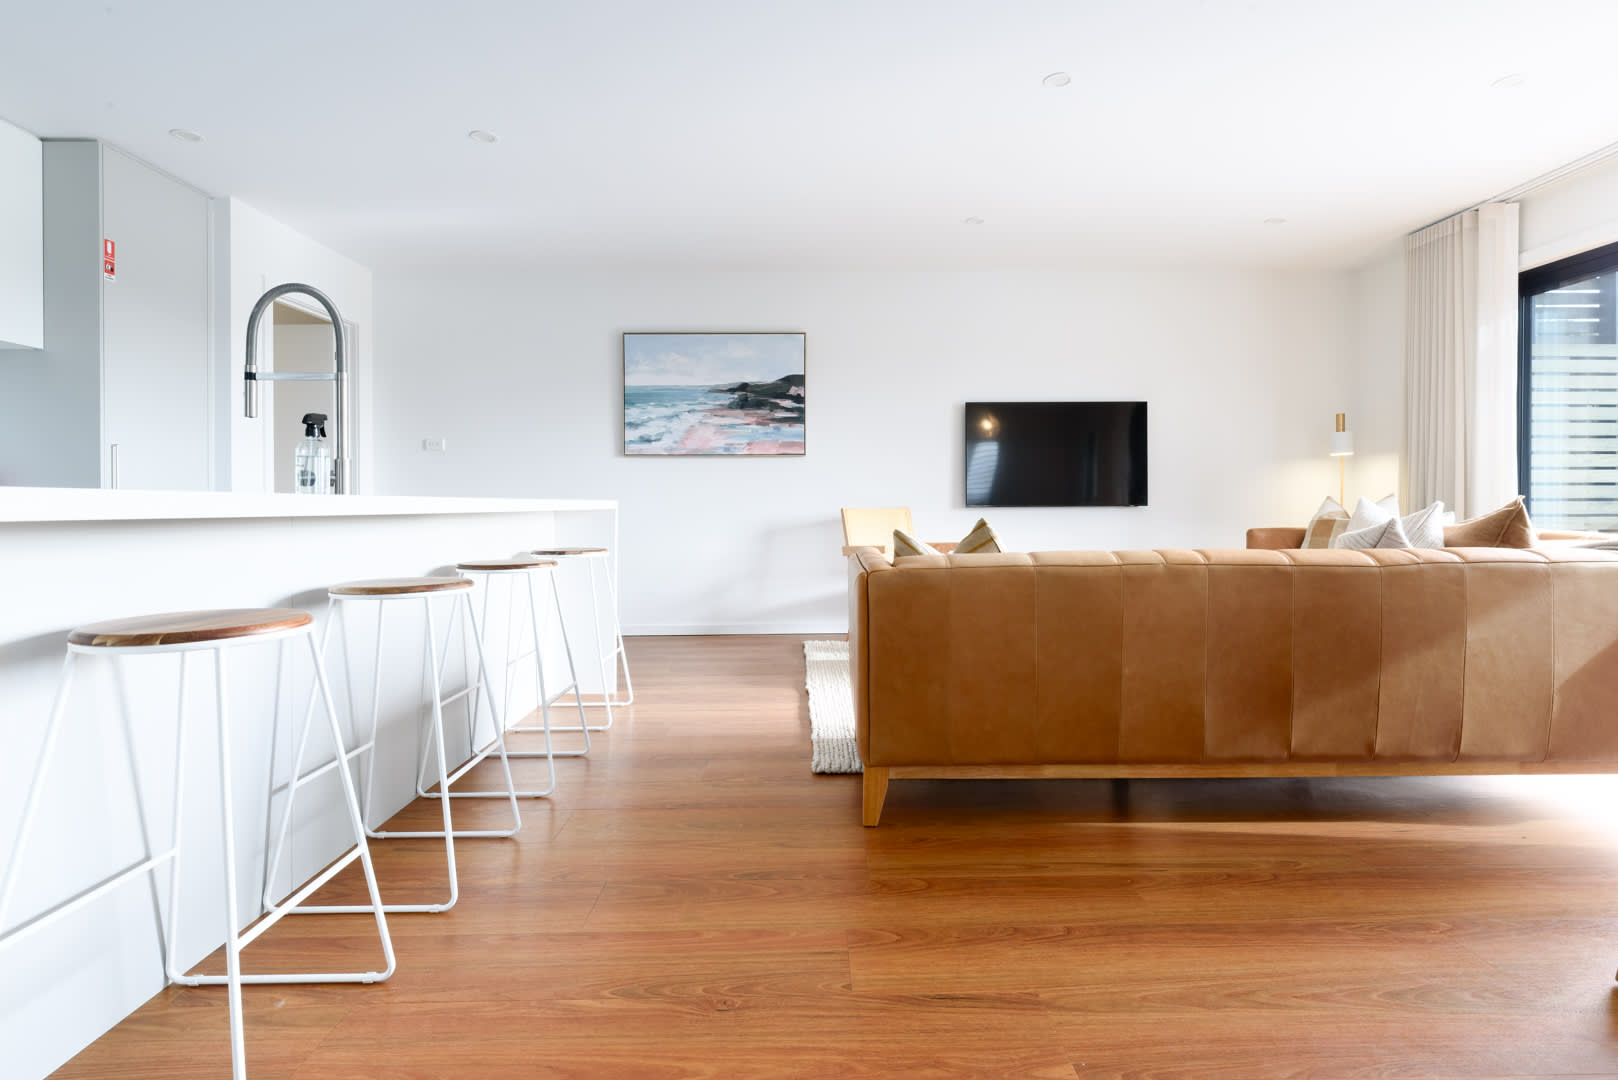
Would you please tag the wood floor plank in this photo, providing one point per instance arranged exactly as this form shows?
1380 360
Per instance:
710 1037
693 904
1263 1045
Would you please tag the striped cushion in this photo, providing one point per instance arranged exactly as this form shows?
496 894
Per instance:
1425 527
1387 534
1329 522
905 544
980 540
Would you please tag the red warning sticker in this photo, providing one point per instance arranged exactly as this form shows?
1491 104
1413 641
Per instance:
109 260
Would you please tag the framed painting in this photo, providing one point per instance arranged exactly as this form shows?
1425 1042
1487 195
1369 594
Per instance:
692 394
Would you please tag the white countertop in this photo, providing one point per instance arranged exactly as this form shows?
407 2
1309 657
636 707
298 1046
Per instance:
37 504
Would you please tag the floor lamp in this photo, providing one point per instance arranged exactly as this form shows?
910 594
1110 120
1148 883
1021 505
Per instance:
1342 446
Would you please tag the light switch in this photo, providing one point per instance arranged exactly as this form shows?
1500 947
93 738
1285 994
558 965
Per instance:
435 446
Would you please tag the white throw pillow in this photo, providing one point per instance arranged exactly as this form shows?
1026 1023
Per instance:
1425 528
1366 514
1386 534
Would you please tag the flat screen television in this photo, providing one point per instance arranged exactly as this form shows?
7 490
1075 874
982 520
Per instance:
1056 453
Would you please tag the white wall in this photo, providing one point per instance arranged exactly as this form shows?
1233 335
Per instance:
1570 216
261 253
522 373
1376 391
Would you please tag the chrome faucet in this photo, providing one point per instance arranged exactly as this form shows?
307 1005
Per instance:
339 376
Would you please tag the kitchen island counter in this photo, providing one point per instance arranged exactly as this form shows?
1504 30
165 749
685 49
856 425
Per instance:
82 556
37 504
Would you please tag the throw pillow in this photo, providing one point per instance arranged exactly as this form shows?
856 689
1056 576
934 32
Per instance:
1506 527
1328 521
982 539
1386 534
905 544
1367 513
1425 528
1421 529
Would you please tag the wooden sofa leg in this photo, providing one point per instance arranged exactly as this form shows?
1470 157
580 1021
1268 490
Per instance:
876 793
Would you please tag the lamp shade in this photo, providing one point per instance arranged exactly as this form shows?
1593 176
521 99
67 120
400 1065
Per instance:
1342 440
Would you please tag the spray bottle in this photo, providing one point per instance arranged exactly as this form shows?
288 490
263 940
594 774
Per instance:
312 460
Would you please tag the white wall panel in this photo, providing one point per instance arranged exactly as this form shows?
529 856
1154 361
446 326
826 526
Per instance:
521 372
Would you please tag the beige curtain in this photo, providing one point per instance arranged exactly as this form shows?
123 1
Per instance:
1461 361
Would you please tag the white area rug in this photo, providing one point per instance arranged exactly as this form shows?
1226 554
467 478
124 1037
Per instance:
831 707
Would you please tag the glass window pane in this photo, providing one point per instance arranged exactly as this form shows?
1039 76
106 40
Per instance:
1573 405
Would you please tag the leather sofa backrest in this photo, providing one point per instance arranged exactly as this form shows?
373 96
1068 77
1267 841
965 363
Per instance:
1485 655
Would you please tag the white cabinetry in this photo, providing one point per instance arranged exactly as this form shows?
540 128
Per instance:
126 357
154 320
22 244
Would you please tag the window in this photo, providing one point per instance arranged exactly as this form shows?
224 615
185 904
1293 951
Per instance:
1567 434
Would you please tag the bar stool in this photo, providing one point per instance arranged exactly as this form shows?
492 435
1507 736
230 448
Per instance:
185 633
527 568
385 591
592 557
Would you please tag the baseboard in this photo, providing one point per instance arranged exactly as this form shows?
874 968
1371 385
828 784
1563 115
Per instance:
703 629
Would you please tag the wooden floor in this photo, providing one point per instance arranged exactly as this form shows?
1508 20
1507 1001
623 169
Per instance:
694 903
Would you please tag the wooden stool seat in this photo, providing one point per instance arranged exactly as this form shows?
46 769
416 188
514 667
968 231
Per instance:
184 627
570 551
514 562
399 586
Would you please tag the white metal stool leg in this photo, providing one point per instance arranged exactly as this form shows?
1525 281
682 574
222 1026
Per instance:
619 652
601 653
434 744
294 905
607 659
340 762
235 940
487 570
36 787
227 817
499 746
546 700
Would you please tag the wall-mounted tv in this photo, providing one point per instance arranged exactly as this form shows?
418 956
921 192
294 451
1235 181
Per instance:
1056 453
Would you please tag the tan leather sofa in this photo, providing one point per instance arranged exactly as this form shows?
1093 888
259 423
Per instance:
1233 663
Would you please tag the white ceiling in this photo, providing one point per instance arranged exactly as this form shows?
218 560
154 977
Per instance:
833 132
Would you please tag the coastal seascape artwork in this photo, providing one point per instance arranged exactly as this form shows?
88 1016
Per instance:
714 394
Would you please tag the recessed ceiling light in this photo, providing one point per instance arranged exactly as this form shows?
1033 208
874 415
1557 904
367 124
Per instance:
1057 78
974 220
1275 221
185 135
1509 82
479 135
